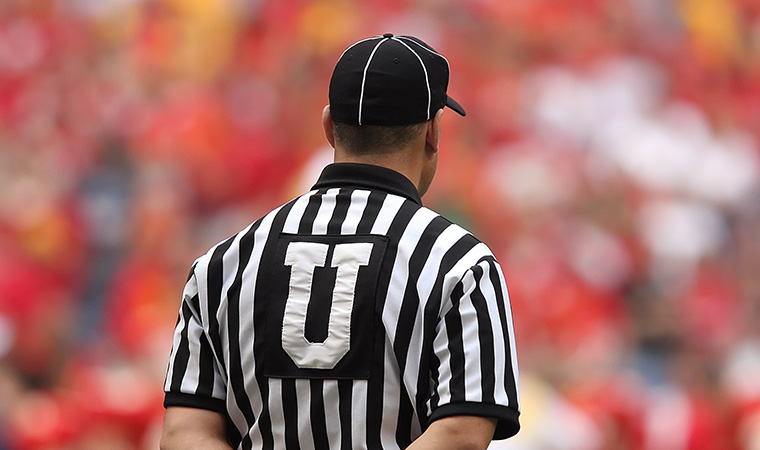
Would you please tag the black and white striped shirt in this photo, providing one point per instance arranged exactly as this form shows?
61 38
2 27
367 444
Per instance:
349 318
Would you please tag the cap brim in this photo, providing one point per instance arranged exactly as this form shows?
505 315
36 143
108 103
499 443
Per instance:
453 104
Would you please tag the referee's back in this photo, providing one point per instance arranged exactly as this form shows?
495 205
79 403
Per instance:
364 311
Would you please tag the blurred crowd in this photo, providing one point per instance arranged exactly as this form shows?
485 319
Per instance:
609 158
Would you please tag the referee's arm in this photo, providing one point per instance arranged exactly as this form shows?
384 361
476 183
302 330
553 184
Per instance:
193 429
476 386
457 433
193 418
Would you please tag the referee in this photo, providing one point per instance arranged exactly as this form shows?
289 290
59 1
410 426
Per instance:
351 317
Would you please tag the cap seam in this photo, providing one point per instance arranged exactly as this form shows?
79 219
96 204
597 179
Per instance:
364 77
424 70
357 43
448 66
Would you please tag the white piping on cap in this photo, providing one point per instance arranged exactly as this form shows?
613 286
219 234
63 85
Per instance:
424 69
357 43
364 77
425 48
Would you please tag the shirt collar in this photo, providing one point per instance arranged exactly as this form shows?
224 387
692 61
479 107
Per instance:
369 177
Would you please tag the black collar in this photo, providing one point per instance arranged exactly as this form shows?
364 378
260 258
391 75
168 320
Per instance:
368 176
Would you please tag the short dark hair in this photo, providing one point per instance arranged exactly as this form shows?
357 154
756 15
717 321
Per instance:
366 139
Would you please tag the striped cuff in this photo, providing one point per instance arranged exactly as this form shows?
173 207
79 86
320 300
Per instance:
194 401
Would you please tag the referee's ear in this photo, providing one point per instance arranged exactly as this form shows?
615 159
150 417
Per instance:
433 135
327 124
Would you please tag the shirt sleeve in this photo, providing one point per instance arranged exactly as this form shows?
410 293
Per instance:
193 377
477 372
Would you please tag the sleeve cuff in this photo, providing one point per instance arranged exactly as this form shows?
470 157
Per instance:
194 401
508 423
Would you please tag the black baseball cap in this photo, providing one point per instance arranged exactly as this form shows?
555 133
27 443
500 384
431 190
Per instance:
390 80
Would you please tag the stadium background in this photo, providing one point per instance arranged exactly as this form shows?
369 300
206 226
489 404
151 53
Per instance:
609 158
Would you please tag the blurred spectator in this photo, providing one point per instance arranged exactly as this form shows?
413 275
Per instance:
105 194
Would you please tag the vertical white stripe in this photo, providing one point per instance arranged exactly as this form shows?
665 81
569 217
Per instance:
364 77
275 411
500 356
424 70
241 425
303 398
407 244
247 289
220 383
471 333
412 367
331 398
441 347
391 398
355 211
326 208
189 291
511 329
359 412
191 379
296 212
230 263
177 338
388 211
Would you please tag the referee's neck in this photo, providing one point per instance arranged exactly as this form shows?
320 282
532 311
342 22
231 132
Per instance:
396 161
417 160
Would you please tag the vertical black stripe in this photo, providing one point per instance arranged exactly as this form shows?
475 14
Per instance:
233 434
207 371
310 213
408 314
342 202
456 295
290 409
182 357
237 377
260 320
345 392
376 383
369 216
501 301
214 283
411 300
318 422
453 322
485 338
